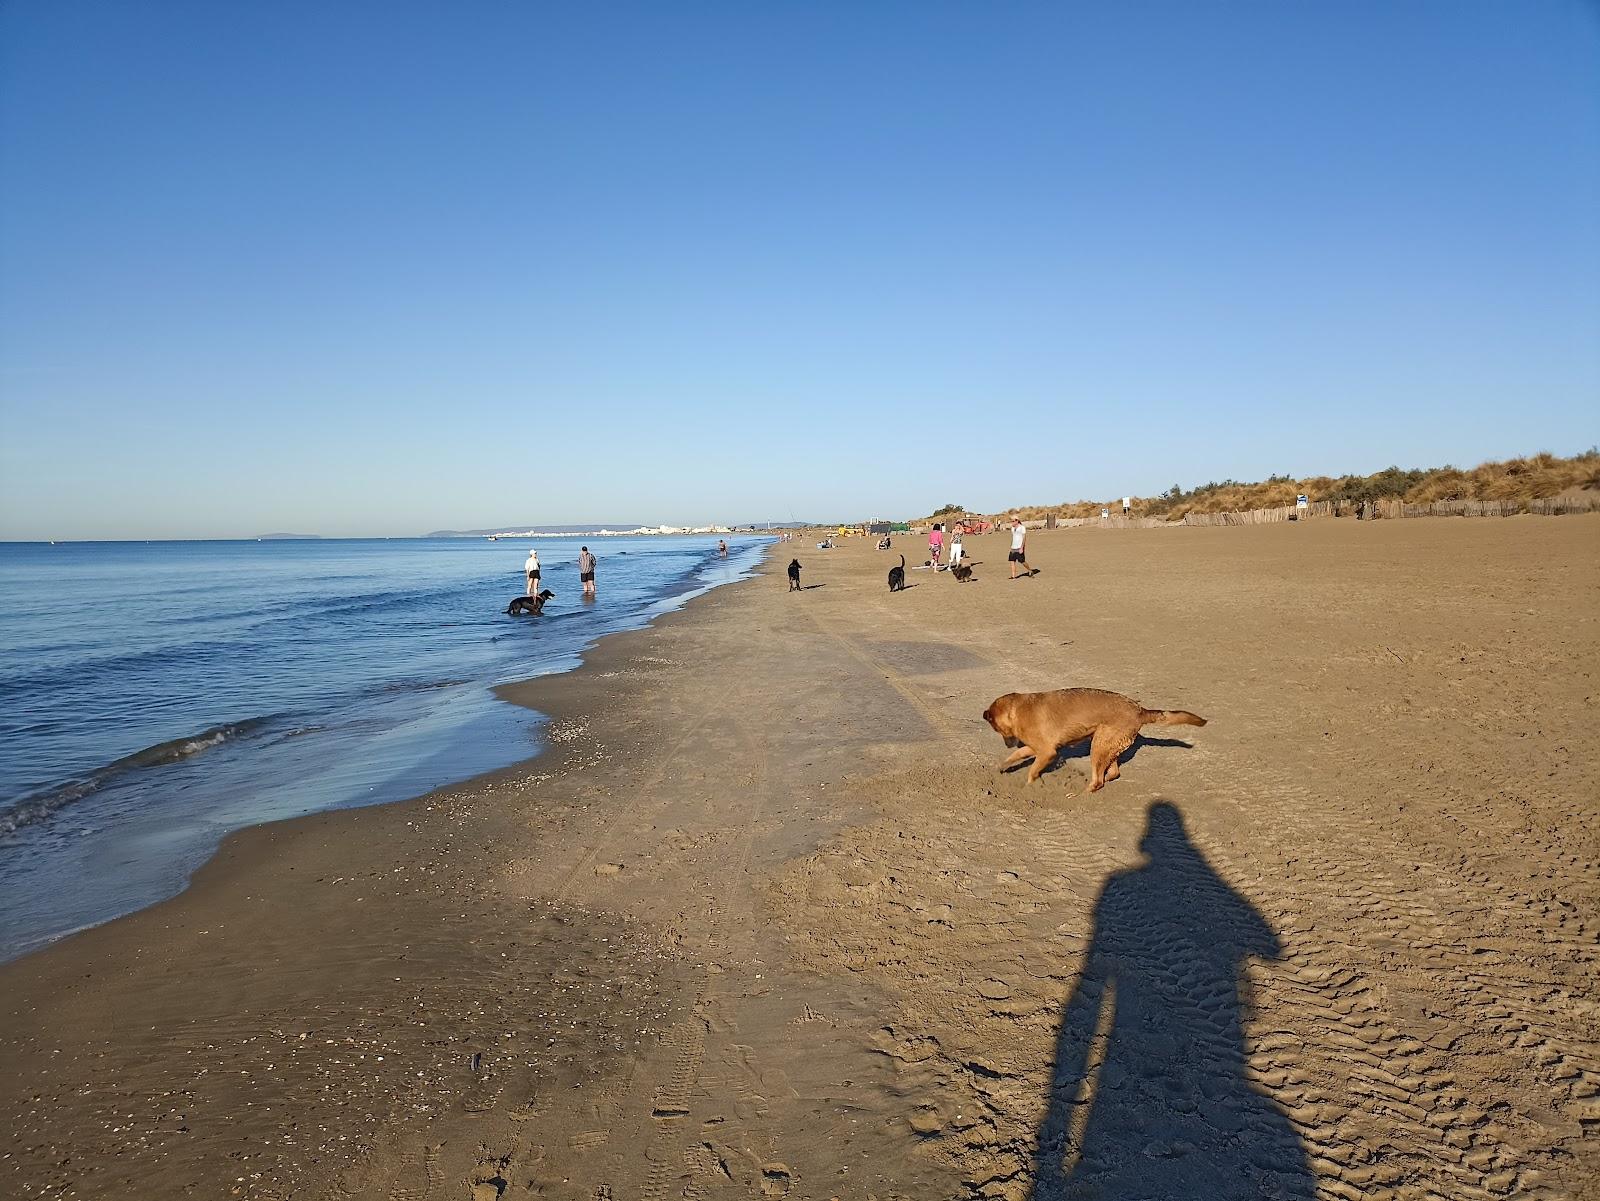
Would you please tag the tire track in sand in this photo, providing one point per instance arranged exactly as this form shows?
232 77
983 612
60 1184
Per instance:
1397 1010
671 1103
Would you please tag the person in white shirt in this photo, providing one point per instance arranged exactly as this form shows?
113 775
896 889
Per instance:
957 551
1019 552
531 570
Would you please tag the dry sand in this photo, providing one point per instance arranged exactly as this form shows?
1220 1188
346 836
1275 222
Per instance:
766 922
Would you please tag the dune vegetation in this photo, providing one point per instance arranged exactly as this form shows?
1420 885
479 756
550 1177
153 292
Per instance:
1528 478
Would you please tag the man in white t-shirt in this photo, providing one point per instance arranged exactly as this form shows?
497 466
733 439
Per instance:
1019 553
531 570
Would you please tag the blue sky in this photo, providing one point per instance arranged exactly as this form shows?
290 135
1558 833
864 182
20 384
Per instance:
382 268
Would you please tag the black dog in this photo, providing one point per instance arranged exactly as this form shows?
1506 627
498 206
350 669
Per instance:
529 604
897 576
961 572
794 575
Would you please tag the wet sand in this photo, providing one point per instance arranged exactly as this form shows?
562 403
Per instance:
764 920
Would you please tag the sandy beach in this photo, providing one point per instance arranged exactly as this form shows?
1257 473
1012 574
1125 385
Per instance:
765 921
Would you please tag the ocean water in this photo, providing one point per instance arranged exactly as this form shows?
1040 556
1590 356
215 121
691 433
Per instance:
156 696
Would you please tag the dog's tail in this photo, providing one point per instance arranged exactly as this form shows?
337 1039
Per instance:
1170 717
902 562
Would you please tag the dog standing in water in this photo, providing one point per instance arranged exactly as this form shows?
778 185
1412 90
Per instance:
529 604
1041 724
794 575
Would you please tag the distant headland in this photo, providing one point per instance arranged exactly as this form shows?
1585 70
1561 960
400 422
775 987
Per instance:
621 529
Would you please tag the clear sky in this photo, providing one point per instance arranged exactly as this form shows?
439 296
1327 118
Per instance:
381 268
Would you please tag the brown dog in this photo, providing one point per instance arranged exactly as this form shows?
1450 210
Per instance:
1041 724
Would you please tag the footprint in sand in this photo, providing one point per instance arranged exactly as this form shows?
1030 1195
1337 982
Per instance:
926 1122
489 1178
775 1179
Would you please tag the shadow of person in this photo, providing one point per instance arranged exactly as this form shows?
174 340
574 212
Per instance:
1149 1097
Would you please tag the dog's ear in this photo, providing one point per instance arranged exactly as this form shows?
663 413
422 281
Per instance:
988 715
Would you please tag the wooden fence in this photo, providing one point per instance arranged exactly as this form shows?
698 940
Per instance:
1117 522
1550 506
1320 508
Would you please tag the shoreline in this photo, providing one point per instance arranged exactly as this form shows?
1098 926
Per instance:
763 919
182 840
264 864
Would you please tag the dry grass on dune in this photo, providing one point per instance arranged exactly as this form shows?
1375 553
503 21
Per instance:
1527 478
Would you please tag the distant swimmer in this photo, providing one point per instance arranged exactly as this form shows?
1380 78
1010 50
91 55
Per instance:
531 568
722 547
586 571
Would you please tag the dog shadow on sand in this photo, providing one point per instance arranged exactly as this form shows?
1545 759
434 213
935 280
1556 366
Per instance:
1080 750
1150 1097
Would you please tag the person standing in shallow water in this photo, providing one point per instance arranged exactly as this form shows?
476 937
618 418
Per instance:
531 570
586 571
722 547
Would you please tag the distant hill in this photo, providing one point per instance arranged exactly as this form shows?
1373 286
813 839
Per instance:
534 525
591 527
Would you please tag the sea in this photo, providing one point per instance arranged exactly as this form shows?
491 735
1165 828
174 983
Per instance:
156 696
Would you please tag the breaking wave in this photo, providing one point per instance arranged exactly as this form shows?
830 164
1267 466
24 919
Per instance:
41 805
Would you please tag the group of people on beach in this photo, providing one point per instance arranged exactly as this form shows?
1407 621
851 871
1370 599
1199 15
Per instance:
585 571
1018 558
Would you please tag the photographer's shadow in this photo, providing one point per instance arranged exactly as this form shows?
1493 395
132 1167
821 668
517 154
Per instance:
1149 1096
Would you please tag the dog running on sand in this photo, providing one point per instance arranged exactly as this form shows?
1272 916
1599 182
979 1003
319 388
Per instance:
529 604
897 576
1041 724
794 575
961 573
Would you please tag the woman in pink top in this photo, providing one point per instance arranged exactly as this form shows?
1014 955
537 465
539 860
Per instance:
935 543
